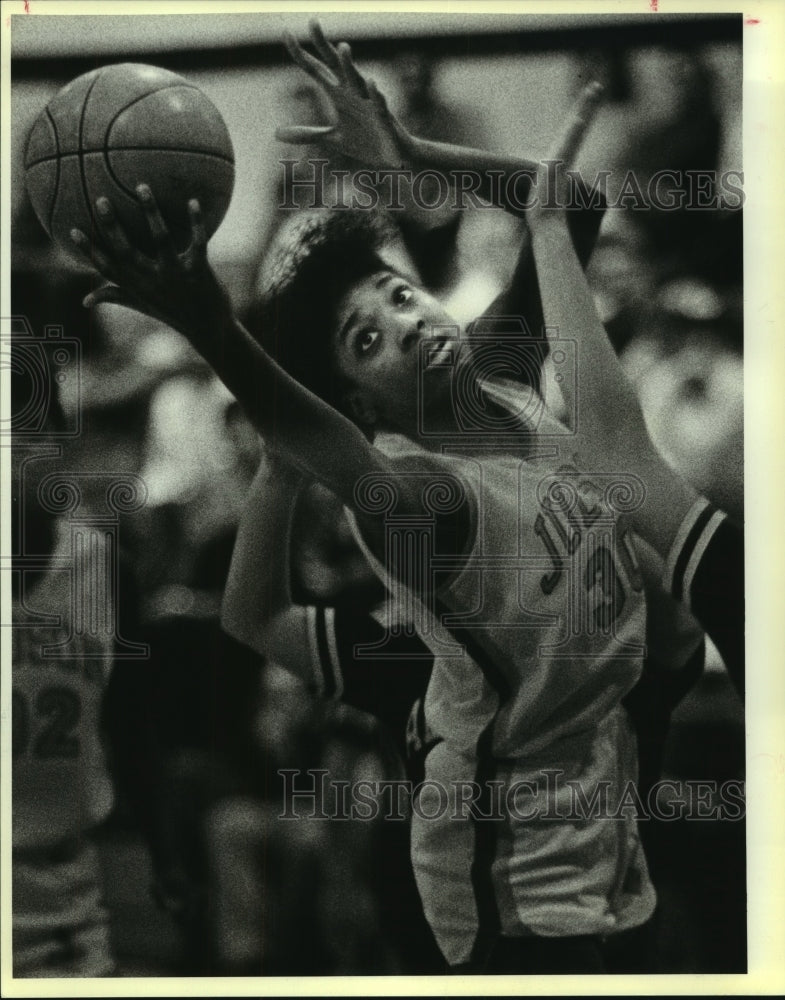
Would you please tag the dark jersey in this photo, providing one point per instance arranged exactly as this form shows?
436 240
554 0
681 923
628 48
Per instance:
705 570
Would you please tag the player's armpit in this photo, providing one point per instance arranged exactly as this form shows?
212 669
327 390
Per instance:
379 667
417 496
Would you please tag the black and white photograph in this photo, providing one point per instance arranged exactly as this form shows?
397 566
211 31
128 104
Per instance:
373 555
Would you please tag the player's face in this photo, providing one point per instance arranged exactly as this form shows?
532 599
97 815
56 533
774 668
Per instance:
382 322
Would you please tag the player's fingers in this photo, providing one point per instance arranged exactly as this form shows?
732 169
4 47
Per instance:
113 231
324 47
351 74
116 238
579 121
198 247
378 99
92 253
155 223
315 69
301 134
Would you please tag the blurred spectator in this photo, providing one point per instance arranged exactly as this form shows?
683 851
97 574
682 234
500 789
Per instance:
676 125
181 721
692 398
62 790
426 113
311 893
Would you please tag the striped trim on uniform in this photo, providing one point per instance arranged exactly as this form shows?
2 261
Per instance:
688 548
324 651
486 834
698 551
714 574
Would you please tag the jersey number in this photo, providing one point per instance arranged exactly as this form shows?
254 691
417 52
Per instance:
601 580
57 712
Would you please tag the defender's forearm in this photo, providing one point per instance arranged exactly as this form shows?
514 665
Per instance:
600 395
610 429
505 181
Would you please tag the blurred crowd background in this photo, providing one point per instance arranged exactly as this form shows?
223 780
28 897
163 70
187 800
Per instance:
201 876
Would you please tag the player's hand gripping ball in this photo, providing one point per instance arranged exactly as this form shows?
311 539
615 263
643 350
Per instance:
117 126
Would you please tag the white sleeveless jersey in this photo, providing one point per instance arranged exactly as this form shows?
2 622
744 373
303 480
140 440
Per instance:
536 639
61 786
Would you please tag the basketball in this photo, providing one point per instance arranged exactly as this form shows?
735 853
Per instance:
118 126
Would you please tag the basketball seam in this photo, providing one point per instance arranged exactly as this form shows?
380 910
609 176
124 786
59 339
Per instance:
81 153
106 149
136 100
132 193
57 171
123 149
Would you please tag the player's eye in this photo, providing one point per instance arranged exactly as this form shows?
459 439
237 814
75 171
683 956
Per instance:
365 341
402 294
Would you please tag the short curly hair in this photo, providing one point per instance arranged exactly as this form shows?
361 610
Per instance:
313 261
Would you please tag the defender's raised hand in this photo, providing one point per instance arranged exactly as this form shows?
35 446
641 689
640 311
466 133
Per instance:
180 289
553 186
364 127
567 146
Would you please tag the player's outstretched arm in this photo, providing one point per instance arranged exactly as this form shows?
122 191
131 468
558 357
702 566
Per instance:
363 128
366 129
599 394
611 434
257 605
316 643
182 291
702 549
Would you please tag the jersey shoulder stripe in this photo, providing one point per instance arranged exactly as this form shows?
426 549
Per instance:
689 532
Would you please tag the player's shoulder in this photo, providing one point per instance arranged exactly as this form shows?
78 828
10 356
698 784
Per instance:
409 458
